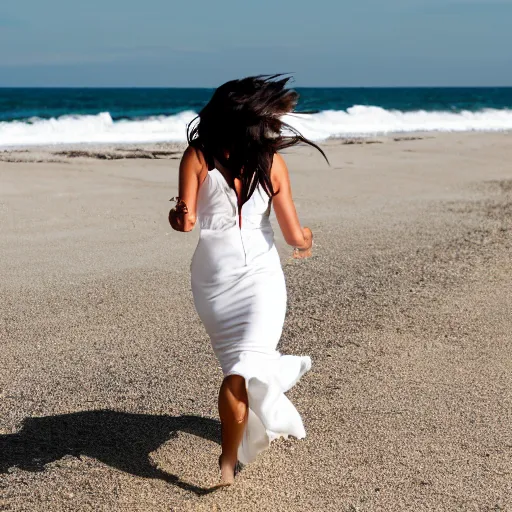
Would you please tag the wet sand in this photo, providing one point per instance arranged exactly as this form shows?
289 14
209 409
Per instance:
108 383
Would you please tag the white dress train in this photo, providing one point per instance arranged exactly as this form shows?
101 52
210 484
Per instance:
240 295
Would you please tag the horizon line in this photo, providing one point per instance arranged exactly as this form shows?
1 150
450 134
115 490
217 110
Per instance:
296 87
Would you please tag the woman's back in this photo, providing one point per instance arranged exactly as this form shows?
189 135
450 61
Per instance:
231 238
217 206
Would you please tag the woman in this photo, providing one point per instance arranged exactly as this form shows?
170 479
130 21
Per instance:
230 176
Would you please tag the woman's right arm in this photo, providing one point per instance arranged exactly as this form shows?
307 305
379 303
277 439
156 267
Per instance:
294 234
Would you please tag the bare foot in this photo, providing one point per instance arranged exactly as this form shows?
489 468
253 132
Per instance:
227 471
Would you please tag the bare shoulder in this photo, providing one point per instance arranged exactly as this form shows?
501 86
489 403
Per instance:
194 158
279 164
279 172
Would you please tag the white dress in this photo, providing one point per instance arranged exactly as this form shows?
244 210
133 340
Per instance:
240 295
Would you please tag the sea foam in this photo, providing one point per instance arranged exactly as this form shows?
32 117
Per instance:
355 121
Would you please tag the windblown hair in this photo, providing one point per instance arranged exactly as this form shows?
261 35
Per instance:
241 128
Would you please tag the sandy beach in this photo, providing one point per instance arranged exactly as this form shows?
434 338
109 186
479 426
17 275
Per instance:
108 384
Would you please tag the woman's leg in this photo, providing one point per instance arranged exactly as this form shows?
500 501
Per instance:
233 410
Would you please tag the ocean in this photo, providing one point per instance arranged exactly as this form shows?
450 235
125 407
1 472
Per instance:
34 116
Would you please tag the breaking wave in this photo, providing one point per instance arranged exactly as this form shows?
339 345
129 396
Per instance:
355 121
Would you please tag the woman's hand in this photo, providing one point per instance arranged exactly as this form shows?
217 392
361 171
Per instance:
304 251
177 215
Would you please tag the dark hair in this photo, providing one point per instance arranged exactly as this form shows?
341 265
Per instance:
242 120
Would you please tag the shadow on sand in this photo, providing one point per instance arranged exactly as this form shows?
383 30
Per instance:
120 440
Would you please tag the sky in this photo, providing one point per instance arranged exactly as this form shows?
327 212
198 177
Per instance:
201 43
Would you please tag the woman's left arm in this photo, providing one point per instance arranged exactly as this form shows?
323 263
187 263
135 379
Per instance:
193 170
